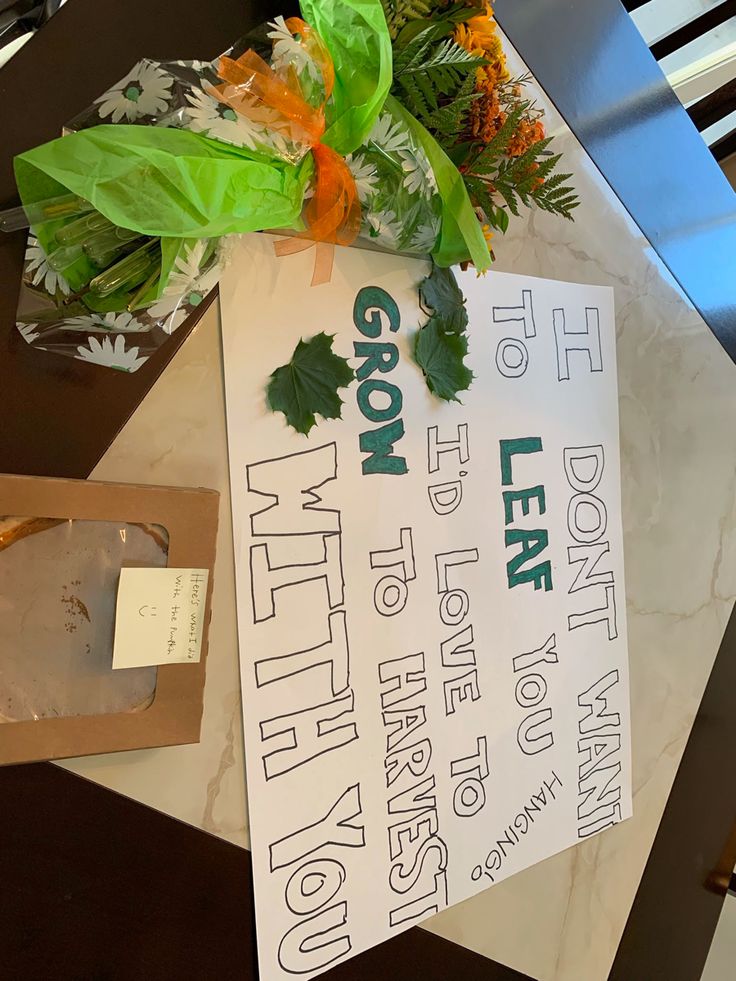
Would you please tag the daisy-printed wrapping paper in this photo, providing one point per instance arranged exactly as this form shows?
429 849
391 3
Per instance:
150 94
51 319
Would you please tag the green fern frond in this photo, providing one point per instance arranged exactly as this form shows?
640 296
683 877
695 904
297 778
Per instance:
414 50
508 193
451 119
554 182
521 165
430 74
519 181
400 12
447 54
488 158
481 197
449 78
414 98
546 166
562 202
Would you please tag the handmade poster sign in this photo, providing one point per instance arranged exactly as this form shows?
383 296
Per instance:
431 598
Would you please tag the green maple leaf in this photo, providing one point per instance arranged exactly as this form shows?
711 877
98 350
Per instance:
440 294
439 353
308 384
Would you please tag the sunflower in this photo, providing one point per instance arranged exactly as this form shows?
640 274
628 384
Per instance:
479 36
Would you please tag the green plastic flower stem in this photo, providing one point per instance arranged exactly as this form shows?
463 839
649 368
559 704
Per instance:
51 315
104 259
51 209
386 157
137 298
104 247
129 272
77 231
63 257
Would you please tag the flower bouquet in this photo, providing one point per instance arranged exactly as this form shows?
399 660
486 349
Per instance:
388 122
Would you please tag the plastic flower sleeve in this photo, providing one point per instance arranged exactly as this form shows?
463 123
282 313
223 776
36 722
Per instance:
183 95
401 210
357 37
177 155
49 316
121 339
461 236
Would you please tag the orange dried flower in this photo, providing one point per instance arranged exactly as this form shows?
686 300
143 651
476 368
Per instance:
528 133
487 78
486 117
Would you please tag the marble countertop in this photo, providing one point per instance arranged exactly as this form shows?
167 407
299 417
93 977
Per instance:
560 920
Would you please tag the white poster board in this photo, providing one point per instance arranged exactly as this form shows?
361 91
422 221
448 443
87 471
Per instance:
431 599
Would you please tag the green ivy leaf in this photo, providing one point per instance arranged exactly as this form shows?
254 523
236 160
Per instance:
439 353
308 384
440 295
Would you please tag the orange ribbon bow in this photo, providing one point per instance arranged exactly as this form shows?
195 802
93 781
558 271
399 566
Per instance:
252 88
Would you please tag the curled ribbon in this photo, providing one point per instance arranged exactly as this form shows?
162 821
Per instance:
252 88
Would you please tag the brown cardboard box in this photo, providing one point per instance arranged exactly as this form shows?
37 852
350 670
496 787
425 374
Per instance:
174 714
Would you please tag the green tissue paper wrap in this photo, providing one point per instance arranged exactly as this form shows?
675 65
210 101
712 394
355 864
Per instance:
167 182
357 38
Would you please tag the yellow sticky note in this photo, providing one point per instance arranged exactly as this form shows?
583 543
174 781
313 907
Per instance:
159 617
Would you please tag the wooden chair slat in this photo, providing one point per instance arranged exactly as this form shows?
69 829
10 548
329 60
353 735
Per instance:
724 147
694 29
714 107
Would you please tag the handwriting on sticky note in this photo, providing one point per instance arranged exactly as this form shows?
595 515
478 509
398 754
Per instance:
159 617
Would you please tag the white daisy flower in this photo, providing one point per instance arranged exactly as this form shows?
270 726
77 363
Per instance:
169 312
41 272
145 91
227 246
424 239
220 121
419 175
165 306
208 280
111 355
186 285
120 322
187 266
365 176
195 65
29 332
175 320
287 51
389 135
384 225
